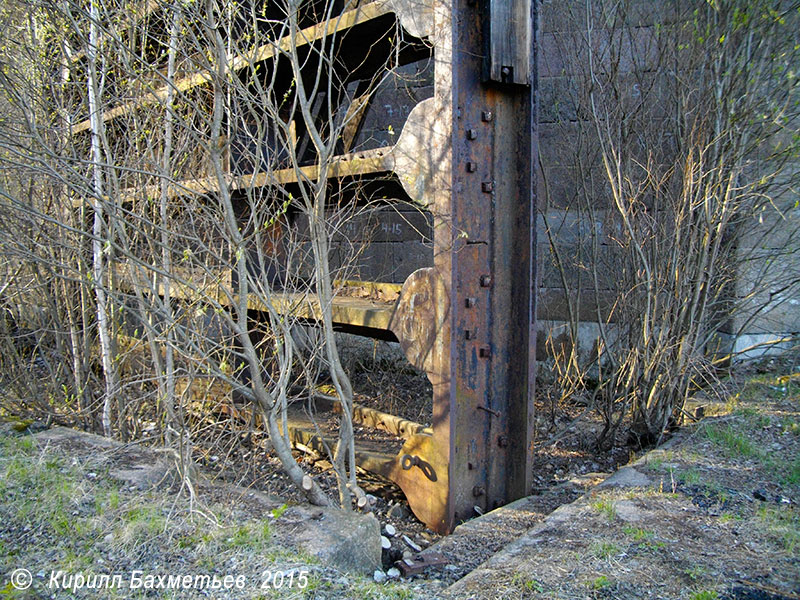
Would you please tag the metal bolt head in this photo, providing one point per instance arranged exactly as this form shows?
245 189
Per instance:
485 352
470 334
470 302
502 441
472 134
486 281
478 490
472 167
487 187
487 116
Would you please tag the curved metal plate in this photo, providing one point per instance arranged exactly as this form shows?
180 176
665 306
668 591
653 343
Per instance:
425 484
419 315
416 16
419 153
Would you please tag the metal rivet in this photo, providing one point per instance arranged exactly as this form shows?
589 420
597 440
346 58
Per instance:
472 134
487 115
472 167
487 186
470 302
488 410
486 280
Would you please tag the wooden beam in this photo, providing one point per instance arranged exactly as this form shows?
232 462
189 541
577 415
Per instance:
345 21
199 286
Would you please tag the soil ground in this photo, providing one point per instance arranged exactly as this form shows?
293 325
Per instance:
711 515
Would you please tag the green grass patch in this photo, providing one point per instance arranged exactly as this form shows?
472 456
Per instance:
606 507
783 526
637 533
696 572
644 537
368 590
787 472
705 595
789 425
791 476
521 580
277 512
729 517
774 387
733 442
604 549
690 477
255 536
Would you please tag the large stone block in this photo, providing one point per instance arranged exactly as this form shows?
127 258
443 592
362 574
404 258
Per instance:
642 95
567 52
574 188
558 15
347 541
767 291
771 228
751 345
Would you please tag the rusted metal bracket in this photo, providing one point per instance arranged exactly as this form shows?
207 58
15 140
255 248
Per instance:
419 562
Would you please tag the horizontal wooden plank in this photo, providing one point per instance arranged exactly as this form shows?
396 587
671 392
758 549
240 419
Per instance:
410 159
346 310
371 311
306 36
348 165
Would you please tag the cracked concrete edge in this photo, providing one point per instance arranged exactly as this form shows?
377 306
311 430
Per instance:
628 477
505 518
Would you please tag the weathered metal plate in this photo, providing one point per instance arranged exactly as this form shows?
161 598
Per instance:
424 481
417 320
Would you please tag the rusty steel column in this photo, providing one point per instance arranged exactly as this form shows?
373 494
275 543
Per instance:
492 272
477 303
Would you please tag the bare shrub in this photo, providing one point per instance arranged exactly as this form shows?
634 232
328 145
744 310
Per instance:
684 119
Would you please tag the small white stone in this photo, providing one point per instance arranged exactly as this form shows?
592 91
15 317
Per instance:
393 573
390 530
379 576
411 544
